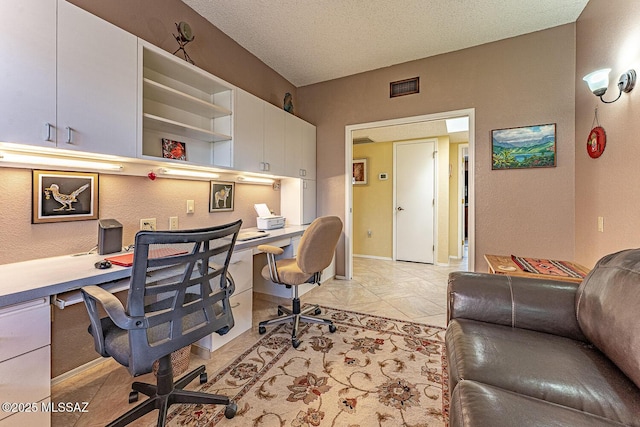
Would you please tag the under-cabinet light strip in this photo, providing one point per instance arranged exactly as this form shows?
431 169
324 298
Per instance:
31 159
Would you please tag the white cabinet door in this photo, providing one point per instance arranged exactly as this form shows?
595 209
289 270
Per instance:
293 146
248 132
308 201
274 128
309 150
26 378
298 200
27 71
97 84
300 148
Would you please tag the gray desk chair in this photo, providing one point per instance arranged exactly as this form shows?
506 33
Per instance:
315 253
177 296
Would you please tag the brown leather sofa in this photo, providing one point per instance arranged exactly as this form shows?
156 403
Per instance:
536 352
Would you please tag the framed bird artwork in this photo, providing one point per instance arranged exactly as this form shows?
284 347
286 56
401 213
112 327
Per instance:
64 196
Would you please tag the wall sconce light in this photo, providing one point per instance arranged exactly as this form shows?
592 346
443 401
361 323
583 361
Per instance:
598 82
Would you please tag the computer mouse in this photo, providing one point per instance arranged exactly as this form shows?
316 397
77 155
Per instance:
102 264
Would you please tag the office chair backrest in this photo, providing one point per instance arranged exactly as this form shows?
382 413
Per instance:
179 290
318 244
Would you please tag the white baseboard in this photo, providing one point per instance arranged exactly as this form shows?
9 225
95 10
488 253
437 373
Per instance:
80 369
383 258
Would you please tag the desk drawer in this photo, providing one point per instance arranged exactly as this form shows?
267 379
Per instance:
242 308
241 268
26 378
24 327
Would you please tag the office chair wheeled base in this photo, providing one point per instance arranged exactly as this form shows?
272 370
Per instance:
295 316
167 392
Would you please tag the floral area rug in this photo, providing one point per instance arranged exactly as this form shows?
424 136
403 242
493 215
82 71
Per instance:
373 371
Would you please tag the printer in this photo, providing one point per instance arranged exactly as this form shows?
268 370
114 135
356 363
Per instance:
267 220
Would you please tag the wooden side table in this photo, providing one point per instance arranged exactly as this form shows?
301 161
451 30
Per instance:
503 264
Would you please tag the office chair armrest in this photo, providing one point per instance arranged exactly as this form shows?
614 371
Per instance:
271 252
112 306
271 249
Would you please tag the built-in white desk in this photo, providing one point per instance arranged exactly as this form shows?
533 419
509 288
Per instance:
26 291
43 277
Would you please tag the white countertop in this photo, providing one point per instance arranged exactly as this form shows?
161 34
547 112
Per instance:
27 280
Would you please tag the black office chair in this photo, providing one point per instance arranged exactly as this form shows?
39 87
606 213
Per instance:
177 296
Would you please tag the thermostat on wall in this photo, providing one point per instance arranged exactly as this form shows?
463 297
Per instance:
383 176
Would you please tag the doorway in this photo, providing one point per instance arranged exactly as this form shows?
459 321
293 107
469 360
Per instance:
414 194
350 130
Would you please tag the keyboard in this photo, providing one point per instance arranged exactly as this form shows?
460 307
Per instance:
250 235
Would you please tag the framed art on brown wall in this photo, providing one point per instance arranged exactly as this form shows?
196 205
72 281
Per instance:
524 147
64 196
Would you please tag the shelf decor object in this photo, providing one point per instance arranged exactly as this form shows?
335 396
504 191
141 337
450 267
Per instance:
185 35
175 150
64 196
524 147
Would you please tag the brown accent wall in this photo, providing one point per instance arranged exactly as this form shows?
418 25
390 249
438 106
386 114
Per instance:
607 35
521 81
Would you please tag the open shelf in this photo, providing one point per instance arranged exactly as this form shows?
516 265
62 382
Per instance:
167 95
166 125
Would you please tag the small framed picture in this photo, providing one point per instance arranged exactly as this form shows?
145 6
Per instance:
64 196
174 149
359 171
221 196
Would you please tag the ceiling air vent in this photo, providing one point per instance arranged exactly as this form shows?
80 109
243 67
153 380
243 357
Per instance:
404 87
363 140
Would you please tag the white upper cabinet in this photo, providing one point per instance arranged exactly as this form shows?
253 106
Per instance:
28 71
258 143
300 148
273 148
67 82
249 133
97 84
309 150
183 103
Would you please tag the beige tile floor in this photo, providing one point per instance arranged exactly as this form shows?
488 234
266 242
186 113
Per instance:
398 290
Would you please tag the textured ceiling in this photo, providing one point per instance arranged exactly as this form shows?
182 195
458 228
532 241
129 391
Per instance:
309 41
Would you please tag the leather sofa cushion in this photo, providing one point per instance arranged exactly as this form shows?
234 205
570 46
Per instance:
607 305
544 366
476 404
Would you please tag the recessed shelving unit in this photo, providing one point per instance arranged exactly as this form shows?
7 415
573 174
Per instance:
181 102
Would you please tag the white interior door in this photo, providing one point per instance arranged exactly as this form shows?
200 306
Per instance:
414 172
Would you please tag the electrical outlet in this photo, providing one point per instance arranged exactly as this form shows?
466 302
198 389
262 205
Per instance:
173 223
148 224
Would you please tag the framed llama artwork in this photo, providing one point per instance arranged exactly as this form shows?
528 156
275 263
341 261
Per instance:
221 196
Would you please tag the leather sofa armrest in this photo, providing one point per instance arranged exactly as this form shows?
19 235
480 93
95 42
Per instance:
542 305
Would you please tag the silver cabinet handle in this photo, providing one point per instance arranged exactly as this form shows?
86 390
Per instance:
48 127
69 135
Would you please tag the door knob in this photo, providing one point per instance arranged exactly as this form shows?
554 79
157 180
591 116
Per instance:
400 208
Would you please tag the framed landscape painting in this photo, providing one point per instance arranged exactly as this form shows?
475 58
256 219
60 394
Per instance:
524 147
